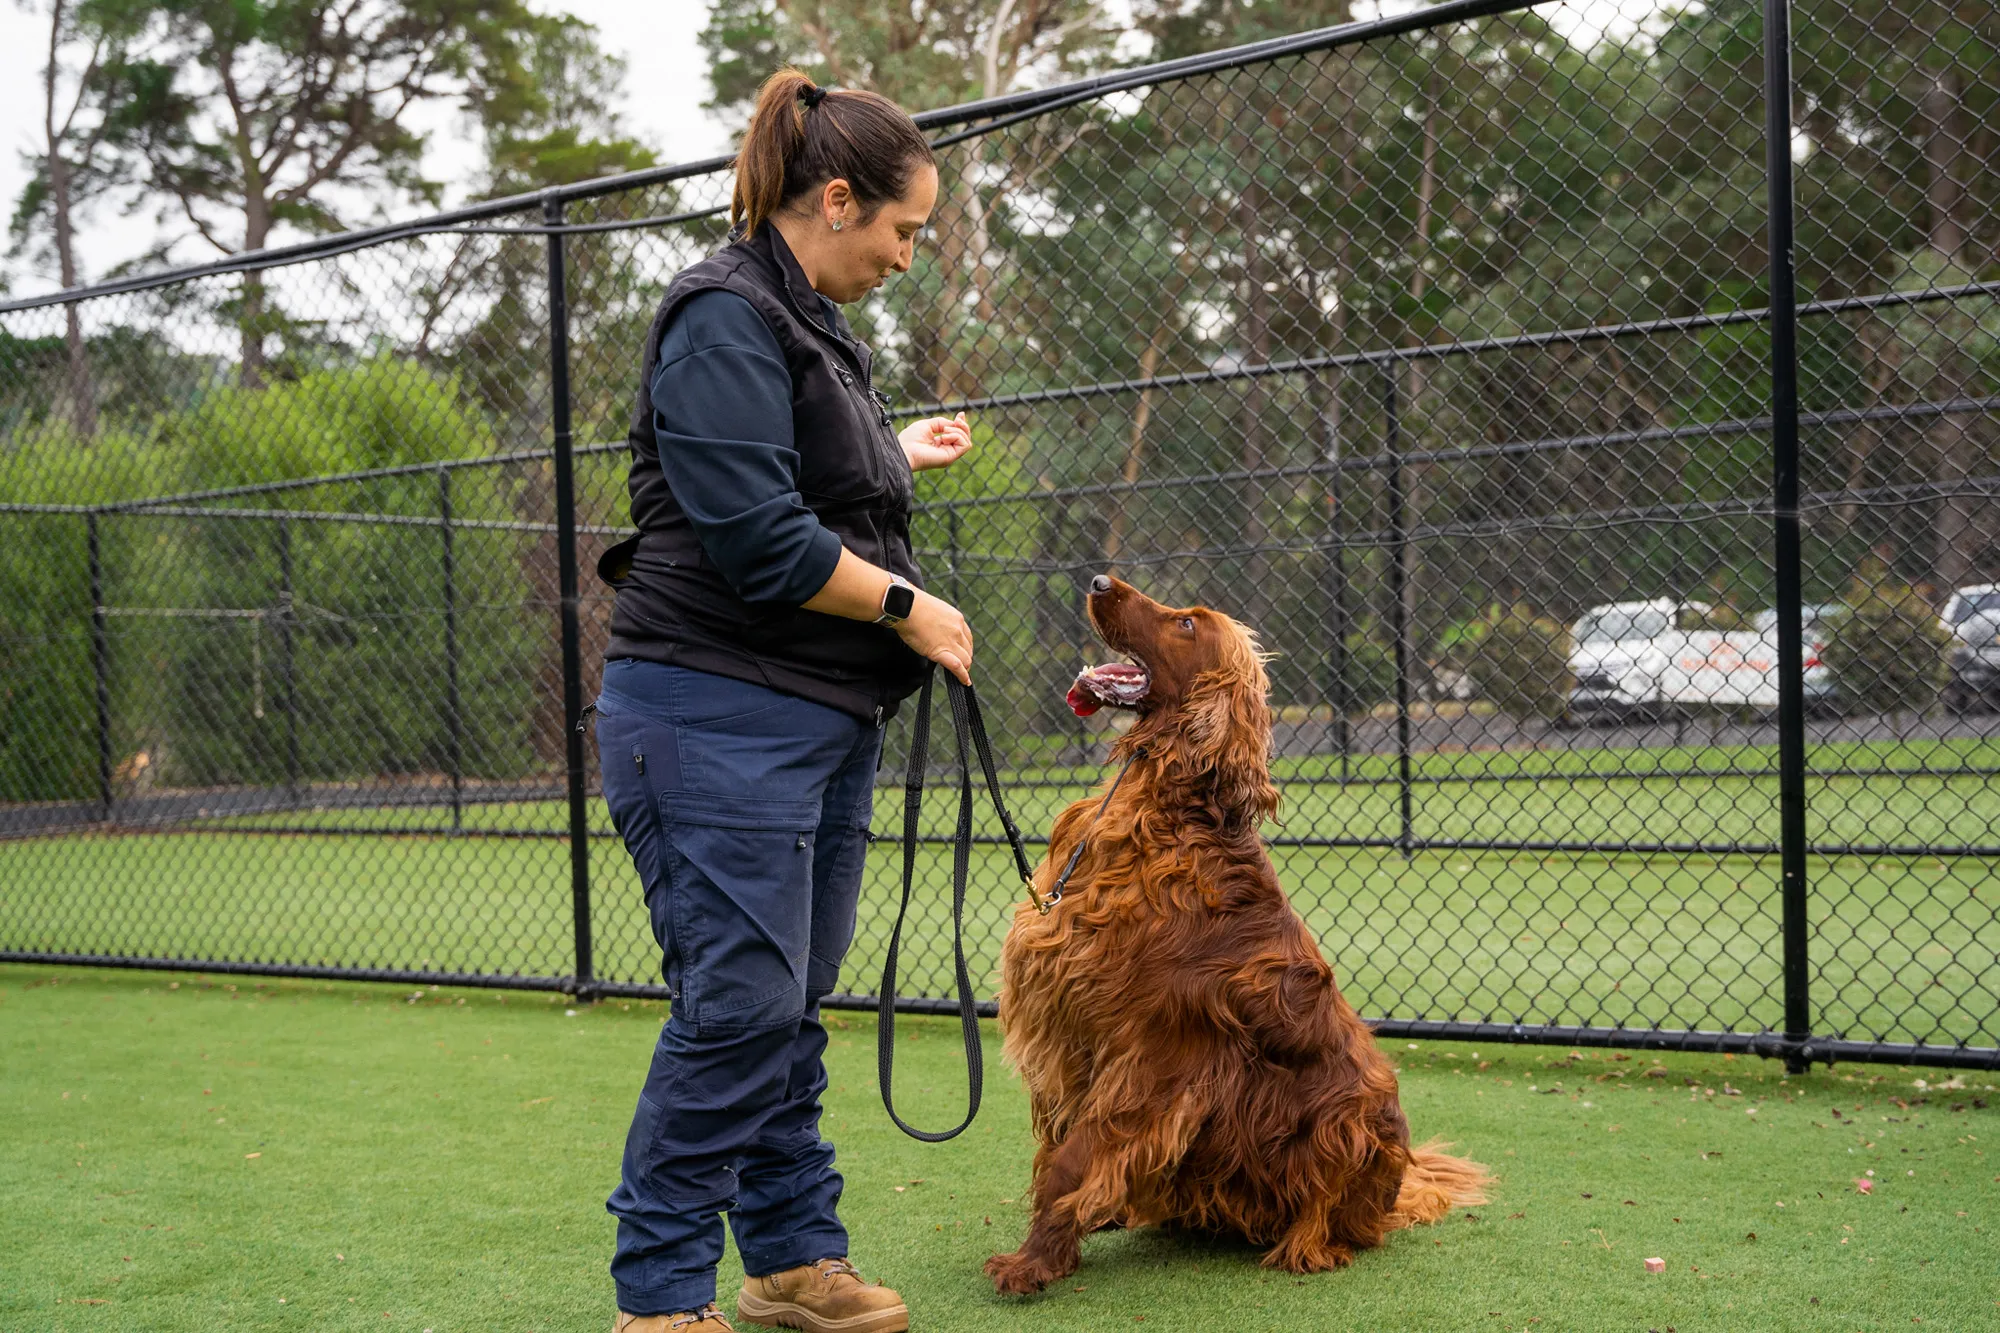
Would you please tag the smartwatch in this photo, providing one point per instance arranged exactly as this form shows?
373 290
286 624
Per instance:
898 600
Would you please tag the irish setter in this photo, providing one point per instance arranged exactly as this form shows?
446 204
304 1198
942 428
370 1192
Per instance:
1189 1060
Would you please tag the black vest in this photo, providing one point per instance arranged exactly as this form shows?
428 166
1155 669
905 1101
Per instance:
673 606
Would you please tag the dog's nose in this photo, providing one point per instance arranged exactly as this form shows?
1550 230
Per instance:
1102 583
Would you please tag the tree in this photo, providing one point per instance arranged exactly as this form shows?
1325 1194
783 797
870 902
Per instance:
251 115
75 164
928 54
558 125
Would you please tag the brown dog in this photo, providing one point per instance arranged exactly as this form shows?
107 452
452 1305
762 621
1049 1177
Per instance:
1187 1054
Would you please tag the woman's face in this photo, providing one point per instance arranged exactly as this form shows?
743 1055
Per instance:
860 256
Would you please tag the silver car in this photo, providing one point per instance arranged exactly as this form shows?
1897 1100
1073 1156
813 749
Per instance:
1973 617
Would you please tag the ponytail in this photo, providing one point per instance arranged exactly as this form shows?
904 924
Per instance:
801 136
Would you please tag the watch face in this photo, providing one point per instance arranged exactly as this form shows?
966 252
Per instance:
900 601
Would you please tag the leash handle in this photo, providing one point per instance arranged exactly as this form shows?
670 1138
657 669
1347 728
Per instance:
970 728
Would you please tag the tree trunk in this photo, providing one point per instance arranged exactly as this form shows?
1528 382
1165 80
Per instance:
1149 366
948 377
1419 276
250 318
1944 145
1951 436
83 399
1953 441
1880 363
1413 408
1256 412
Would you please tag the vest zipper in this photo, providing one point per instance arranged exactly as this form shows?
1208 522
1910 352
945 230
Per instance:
875 396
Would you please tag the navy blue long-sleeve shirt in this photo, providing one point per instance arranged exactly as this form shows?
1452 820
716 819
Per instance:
722 419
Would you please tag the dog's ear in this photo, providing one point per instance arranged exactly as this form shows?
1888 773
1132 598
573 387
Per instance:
1225 729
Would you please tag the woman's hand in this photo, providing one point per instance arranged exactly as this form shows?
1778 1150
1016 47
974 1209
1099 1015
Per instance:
935 630
935 441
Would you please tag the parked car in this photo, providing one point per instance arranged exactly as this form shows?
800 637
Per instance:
1973 617
1821 694
1633 660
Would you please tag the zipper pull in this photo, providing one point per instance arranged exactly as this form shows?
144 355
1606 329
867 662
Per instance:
639 760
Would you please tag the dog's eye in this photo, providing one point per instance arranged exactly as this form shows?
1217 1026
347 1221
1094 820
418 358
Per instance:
1187 623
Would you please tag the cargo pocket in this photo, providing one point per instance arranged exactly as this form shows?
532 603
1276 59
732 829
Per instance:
836 894
742 872
632 751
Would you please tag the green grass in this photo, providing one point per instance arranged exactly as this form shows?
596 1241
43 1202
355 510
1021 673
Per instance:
1903 947
441 1162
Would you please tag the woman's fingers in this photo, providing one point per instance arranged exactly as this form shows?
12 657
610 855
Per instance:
953 432
937 631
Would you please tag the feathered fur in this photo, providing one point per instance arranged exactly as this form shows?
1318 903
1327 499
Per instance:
1188 1057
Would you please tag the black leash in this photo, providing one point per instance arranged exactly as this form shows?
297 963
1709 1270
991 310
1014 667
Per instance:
1076 853
971 729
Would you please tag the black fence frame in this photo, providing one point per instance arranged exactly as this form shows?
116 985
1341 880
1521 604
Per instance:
1797 1044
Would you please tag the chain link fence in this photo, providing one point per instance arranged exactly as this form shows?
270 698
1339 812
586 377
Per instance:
1630 575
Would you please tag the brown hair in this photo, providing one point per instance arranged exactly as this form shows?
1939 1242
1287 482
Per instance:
802 136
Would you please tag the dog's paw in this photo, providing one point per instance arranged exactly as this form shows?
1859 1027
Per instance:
1323 1257
1017 1275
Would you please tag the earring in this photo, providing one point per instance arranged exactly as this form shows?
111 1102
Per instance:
836 226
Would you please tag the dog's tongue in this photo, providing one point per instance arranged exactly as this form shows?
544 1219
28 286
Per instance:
1119 683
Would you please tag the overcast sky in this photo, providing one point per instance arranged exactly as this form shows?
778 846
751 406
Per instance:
666 83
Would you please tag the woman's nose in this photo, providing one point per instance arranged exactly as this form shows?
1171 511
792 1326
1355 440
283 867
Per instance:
1102 583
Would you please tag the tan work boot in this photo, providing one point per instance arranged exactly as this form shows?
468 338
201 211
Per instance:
708 1319
823 1297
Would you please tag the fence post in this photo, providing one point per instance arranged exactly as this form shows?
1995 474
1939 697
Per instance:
1785 532
1340 697
288 658
572 635
1399 576
100 666
454 752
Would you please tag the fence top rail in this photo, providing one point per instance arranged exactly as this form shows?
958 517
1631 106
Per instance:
997 112
1382 357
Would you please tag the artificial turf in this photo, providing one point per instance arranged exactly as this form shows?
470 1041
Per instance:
190 1153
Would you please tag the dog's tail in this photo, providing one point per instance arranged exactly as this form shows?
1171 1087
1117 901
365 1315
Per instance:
1434 1184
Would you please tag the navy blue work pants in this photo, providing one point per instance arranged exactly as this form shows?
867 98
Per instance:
746 813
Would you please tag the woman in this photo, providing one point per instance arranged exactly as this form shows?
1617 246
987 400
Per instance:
769 622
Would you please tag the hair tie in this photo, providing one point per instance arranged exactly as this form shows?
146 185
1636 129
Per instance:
812 95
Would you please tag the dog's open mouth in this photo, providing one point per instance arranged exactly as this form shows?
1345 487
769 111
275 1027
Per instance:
1120 684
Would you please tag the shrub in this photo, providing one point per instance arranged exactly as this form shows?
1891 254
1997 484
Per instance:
1886 649
1520 662
205 695
1370 675
1722 618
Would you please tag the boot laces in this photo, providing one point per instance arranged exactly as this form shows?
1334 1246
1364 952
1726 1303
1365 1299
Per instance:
701 1316
832 1268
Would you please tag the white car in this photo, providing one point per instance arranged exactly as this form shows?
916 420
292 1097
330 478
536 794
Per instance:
1973 617
1631 659
1821 695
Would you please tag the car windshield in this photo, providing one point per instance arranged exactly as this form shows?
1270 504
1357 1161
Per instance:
1610 626
1973 604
